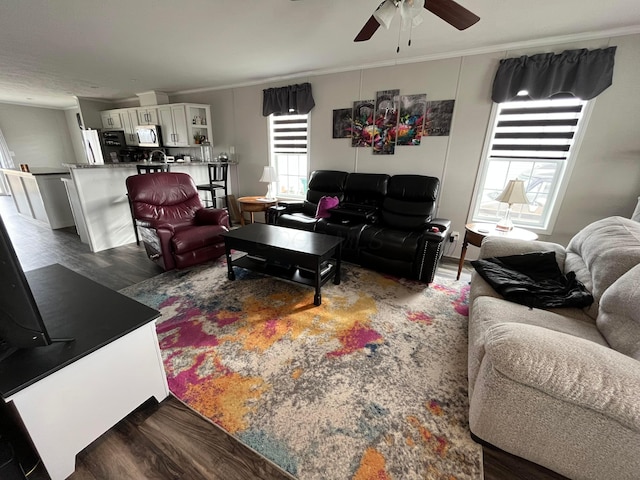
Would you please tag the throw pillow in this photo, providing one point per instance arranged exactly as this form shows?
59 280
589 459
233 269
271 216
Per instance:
324 205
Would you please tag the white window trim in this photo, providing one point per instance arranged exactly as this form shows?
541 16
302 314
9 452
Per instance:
561 186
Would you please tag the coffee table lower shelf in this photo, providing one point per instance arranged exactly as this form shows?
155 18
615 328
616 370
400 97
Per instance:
291 273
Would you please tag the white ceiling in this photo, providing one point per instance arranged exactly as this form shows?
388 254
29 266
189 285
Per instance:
53 50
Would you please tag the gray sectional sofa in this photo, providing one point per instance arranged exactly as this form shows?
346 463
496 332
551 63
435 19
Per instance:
561 387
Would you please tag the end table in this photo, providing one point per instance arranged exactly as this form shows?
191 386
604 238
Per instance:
252 205
476 232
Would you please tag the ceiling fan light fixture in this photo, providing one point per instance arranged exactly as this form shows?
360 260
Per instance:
385 12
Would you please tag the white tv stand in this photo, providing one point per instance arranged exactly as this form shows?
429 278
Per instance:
67 395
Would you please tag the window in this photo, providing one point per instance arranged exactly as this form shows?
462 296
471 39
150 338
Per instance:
531 141
288 149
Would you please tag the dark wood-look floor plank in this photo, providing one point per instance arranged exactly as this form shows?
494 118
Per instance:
169 440
500 465
214 453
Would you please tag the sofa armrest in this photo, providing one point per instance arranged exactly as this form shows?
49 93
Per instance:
437 230
212 216
496 246
273 213
569 368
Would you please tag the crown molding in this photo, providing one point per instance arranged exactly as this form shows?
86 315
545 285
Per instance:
504 47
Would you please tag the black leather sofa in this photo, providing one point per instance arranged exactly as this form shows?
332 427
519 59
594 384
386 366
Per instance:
386 221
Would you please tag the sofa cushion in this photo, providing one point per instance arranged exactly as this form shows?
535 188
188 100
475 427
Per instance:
489 311
619 316
572 369
602 252
300 221
366 188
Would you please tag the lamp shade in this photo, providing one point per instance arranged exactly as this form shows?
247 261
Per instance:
513 193
268 175
385 12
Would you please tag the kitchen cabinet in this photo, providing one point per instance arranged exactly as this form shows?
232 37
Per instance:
111 119
173 121
147 116
183 124
129 119
199 123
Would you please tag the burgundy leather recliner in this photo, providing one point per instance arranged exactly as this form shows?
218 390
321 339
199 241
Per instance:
176 229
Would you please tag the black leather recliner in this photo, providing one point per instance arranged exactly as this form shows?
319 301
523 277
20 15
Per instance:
303 215
386 221
406 241
363 196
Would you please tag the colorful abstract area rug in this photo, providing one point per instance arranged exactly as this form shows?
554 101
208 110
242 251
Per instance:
372 384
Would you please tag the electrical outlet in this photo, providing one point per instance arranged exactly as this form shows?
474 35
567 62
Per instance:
454 237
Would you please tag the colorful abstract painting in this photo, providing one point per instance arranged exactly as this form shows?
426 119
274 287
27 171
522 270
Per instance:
342 123
386 121
438 118
411 119
372 384
363 129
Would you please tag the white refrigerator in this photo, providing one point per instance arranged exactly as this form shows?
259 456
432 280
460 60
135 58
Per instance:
92 147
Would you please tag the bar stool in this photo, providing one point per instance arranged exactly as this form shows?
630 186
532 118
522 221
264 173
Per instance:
142 169
217 181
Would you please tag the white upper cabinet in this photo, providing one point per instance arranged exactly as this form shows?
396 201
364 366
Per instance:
129 119
173 121
199 123
182 124
111 119
147 116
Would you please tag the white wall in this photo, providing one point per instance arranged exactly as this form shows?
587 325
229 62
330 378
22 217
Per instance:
605 180
38 136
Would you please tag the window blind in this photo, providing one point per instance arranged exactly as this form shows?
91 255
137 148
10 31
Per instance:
536 130
289 134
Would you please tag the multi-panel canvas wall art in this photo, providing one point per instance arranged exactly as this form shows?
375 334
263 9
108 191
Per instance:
363 129
411 119
392 120
384 140
438 118
342 120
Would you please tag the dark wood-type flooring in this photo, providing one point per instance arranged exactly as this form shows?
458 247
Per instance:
168 440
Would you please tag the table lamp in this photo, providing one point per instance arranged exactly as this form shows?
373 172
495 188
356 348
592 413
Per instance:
269 176
513 193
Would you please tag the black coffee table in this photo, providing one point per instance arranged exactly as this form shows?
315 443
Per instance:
303 257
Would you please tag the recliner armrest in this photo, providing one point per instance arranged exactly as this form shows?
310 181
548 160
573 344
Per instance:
443 224
212 216
443 227
273 213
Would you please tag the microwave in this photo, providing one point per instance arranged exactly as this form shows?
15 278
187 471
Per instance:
149 135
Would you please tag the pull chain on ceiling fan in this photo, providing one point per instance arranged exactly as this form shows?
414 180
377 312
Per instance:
448 10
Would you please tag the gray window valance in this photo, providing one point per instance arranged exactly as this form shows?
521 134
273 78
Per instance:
581 73
288 100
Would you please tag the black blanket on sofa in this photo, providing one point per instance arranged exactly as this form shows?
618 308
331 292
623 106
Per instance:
534 280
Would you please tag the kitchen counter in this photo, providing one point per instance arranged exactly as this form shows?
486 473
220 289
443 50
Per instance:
40 194
133 164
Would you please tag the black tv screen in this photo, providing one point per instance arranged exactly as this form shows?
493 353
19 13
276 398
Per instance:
21 324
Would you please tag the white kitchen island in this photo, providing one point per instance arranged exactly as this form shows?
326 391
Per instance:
40 195
102 197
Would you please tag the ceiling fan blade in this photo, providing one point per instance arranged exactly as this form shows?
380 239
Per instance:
452 13
368 30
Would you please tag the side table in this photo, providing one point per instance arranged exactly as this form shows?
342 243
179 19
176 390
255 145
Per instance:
252 205
476 232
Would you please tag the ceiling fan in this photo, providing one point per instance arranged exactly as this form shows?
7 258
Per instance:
448 10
